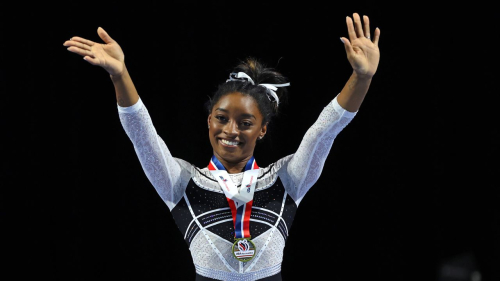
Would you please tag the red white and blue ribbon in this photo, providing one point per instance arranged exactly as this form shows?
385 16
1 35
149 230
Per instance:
239 202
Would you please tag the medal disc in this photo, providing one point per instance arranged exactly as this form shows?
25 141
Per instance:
244 249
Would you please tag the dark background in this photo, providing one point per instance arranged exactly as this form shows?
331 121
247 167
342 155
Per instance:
408 192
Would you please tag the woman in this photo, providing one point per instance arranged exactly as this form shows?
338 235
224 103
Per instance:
234 215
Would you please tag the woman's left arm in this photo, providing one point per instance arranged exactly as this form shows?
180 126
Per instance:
305 166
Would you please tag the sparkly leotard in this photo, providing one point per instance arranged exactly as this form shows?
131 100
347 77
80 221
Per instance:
200 208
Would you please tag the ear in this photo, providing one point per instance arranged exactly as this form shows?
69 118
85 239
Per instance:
263 130
209 118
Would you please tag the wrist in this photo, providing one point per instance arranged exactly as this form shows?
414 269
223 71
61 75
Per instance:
362 77
119 75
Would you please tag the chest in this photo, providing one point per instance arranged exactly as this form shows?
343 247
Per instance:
204 208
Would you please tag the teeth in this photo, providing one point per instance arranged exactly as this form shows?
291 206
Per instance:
229 142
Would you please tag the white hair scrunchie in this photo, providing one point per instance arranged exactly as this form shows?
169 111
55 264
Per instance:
271 88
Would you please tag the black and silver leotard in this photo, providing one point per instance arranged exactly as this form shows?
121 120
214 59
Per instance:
200 208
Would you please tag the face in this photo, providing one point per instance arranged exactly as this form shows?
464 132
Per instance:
235 124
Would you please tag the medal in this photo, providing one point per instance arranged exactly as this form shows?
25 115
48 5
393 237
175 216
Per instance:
240 204
244 249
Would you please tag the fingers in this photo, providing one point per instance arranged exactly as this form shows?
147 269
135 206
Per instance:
104 35
74 43
82 41
377 36
80 46
80 51
91 60
358 29
357 25
347 45
350 28
366 26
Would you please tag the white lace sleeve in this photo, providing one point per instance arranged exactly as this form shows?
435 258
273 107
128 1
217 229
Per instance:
163 171
305 165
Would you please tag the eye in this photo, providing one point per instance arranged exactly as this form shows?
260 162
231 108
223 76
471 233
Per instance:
221 118
246 123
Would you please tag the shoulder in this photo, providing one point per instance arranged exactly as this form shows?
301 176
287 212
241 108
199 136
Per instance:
185 165
268 175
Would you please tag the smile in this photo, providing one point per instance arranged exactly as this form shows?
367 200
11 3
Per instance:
228 143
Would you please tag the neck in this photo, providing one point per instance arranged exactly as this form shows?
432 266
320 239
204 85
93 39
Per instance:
233 167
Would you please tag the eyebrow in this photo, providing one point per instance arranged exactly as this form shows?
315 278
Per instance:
246 115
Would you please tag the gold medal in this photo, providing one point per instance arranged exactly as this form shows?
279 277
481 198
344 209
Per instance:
244 249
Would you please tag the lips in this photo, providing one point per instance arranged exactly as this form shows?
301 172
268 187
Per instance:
229 143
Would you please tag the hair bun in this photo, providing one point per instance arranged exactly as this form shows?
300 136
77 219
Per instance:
250 77
261 74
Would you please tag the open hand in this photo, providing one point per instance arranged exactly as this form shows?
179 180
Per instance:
108 56
362 50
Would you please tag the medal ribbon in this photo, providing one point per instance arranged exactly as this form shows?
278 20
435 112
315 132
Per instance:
240 203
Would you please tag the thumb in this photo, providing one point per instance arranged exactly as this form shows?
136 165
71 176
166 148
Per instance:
104 35
347 45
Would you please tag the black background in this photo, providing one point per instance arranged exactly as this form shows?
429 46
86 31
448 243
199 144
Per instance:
409 184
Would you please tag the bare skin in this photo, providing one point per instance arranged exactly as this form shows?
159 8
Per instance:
362 53
234 125
110 57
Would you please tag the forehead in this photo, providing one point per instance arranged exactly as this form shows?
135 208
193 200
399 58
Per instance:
238 103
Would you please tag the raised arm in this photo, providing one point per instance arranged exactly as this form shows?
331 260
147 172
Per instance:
162 170
305 166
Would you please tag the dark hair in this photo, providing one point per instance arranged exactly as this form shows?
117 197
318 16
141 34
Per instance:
260 74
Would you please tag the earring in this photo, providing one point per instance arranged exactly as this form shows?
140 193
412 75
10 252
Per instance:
261 137
209 126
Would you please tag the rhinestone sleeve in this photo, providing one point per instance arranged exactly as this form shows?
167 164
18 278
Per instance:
306 164
163 171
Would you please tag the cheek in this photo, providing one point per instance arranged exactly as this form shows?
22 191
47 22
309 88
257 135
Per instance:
215 127
252 138
214 131
211 138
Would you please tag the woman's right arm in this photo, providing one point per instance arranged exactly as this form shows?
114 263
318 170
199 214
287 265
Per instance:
160 167
162 170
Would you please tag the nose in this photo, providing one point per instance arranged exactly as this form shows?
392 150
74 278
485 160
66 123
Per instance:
231 129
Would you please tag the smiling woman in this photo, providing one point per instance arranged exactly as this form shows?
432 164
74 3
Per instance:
240 112
234 129
234 215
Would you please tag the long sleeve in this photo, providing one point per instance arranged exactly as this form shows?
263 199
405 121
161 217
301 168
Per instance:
163 171
304 167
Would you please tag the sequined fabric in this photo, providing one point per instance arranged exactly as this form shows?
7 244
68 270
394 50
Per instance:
211 251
